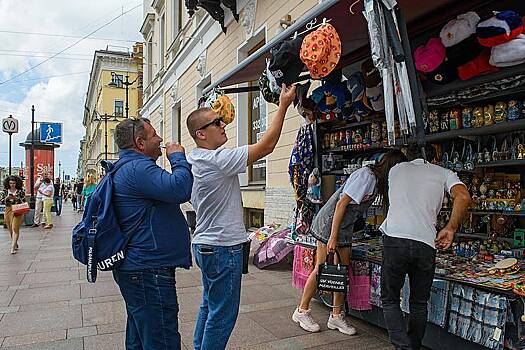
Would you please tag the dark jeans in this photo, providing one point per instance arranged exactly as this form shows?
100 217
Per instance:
418 260
57 202
152 308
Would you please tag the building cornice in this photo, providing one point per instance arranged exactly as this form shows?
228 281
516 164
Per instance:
147 25
158 5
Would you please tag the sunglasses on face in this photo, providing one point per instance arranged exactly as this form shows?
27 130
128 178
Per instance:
217 122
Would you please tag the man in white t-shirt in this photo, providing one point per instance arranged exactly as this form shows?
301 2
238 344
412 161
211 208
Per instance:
416 191
220 231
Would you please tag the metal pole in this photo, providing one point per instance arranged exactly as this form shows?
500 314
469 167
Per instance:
59 164
105 136
127 86
32 160
10 139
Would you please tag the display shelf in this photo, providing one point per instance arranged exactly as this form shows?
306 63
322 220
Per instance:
482 236
335 125
493 96
490 212
502 163
373 147
439 90
509 126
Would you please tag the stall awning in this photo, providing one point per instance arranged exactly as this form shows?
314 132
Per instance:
352 29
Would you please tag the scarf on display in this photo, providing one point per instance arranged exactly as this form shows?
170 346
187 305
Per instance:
302 161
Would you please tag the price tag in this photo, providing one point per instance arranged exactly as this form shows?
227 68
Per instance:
497 334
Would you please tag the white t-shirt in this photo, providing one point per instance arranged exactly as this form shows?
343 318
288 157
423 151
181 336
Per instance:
416 190
360 185
216 195
46 189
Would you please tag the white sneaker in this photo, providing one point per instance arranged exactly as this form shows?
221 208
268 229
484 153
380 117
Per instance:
305 320
339 322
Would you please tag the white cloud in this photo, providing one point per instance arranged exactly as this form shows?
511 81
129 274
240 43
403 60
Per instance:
57 99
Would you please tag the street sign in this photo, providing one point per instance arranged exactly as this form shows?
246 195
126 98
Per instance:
51 132
67 177
10 125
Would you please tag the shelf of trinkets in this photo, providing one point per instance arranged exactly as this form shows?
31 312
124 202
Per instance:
497 192
507 126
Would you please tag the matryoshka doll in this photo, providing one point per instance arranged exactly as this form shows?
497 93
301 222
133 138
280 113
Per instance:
384 133
455 119
478 118
375 133
348 139
500 112
433 121
466 117
444 122
488 115
514 110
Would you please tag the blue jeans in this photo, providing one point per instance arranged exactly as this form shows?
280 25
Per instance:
152 308
57 202
221 270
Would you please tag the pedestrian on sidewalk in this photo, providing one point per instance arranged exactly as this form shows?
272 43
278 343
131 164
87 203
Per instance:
47 190
88 189
39 204
416 191
147 201
74 201
57 198
334 225
220 231
13 193
79 186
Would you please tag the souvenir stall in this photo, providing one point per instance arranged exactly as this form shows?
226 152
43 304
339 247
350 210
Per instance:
447 72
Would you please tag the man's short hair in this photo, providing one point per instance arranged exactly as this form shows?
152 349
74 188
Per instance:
126 131
194 121
426 151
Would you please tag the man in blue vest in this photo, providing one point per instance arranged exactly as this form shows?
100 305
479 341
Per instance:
147 202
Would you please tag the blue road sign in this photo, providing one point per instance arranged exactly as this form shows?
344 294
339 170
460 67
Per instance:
51 132
67 177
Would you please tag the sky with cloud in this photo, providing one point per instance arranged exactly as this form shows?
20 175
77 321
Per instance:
57 88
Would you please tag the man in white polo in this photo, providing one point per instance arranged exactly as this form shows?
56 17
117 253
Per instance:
416 191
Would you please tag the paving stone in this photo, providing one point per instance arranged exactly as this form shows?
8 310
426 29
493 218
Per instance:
42 266
46 295
34 338
5 297
68 344
10 280
81 332
36 321
45 306
116 297
9 309
275 304
49 277
102 313
114 341
278 322
98 289
81 301
261 293
21 286
111 328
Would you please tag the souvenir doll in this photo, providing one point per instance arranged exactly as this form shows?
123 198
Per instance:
488 115
455 119
342 139
514 110
466 116
478 119
433 121
444 120
314 187
326 141
357 138
375 133
384 133
348 139
366 138
332 140
500 112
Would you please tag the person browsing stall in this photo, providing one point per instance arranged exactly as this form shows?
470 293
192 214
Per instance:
415 190
333 227
220 231
147 200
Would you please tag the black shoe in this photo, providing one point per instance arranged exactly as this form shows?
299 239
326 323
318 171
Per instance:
35 225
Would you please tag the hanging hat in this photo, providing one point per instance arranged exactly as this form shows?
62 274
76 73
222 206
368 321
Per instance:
223 106
429 56
356 86
478 66
371 74
264 87
330 97
375 96
321 51
500 28
274 86
509 54
285 64
444 74
459 29
464 51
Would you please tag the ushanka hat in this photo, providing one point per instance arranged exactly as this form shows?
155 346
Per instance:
443 74
223 106
464 51
509 54
321 51
429 56
266 91
285 64
500 28
459 28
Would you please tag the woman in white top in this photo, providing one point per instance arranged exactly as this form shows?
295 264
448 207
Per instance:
47 190
333 227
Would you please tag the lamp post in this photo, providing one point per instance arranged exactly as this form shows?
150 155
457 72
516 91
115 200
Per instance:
59 165
105 119
126 83
32 160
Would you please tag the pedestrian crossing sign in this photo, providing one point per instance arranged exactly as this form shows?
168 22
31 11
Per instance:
51 132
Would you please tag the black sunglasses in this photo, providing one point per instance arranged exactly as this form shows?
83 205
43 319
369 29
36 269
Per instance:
217 122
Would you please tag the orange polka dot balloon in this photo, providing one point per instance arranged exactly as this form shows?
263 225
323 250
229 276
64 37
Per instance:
321 51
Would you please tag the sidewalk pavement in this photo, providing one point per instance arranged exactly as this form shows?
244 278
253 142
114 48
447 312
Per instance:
46 303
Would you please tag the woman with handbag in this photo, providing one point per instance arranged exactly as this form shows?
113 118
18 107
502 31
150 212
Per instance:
13 197
333 227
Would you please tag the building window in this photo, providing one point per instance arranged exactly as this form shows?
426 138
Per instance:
175 122
119 108
117 79
149 62
254 218
162 39
161 128
177 17
256 127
